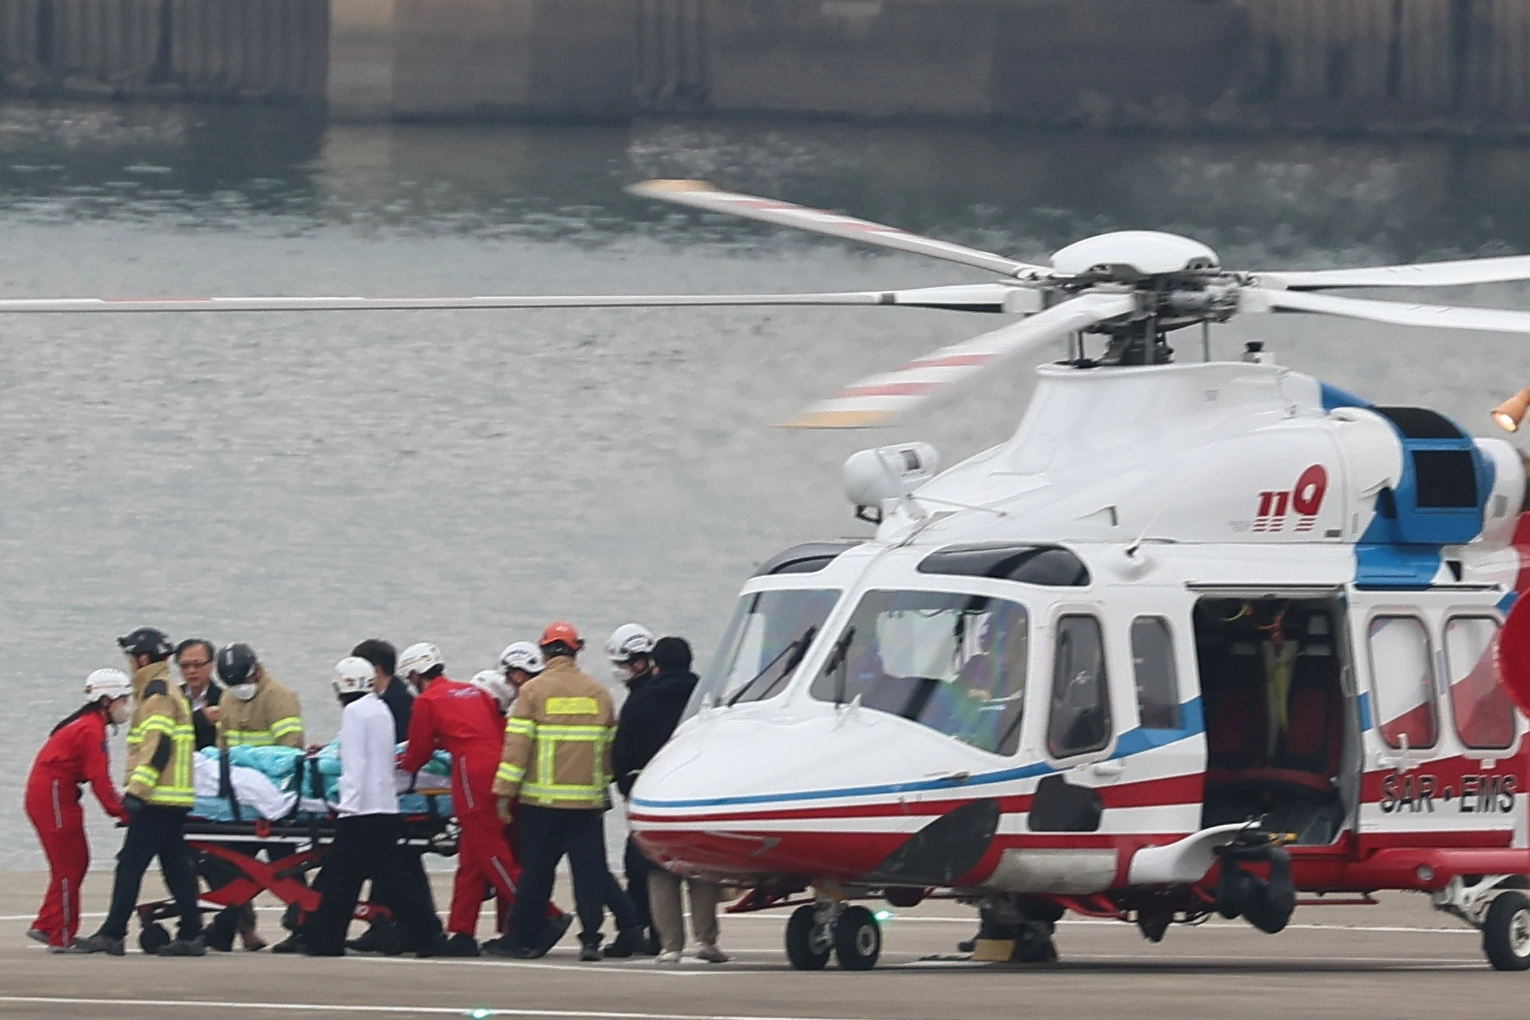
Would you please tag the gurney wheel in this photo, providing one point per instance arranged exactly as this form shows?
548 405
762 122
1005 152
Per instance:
153 937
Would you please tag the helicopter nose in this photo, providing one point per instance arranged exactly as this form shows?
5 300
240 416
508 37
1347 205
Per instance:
749 791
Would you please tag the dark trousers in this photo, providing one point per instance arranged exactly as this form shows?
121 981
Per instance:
546 835
154 832
638 867
366 847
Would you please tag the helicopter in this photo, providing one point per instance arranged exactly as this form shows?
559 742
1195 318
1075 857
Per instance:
1201 638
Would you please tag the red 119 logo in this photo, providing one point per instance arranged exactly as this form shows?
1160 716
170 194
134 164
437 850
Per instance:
1306 499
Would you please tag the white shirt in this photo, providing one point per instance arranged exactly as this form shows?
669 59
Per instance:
366 758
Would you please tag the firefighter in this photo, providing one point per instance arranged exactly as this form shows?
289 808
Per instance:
159 793
518 663
557 761
465 722
256 710
259 711
75 753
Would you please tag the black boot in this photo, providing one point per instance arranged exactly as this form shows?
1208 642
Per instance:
460 944
628 941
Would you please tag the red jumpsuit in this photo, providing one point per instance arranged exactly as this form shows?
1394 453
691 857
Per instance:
465 722
74 754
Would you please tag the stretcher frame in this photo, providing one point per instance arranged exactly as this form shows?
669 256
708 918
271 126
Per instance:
231 844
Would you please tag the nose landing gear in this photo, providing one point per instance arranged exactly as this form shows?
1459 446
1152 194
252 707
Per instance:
815 930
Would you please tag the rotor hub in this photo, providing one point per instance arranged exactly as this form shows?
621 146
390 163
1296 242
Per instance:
1126 256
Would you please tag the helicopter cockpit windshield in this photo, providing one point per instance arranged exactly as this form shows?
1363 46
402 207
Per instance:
764 644
953 662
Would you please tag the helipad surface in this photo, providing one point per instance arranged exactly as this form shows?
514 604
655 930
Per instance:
1398 960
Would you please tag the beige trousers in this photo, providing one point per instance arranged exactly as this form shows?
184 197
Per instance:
664 904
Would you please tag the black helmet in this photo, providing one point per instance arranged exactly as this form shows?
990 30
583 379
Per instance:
148 641
236 664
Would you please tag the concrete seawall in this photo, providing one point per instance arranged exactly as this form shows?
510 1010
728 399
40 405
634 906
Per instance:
192 49
1389 65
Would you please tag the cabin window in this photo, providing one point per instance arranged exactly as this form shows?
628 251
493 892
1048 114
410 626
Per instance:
955 663
770 633
1157 678
1080 717
1402 674
1481 706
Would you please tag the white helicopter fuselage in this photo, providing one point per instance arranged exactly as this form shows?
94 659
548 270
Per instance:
1179 597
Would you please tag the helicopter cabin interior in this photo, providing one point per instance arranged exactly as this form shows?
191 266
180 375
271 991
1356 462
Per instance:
1281 734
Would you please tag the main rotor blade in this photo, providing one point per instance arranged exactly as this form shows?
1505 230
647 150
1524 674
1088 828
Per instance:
1424 274
878 399
1396 313
982 297
701 195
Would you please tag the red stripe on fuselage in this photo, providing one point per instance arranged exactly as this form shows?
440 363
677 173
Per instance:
1185 789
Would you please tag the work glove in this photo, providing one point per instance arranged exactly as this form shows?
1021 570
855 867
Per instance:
506 814
131 805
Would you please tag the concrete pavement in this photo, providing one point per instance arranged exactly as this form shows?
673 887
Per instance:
1398 960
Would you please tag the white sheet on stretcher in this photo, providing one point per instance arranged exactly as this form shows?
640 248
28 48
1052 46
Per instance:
251 788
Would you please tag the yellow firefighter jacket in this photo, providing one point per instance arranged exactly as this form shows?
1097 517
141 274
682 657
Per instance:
160 740
558 741
273 716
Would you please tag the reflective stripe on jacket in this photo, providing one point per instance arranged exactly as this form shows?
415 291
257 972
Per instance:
557 749
272 716
161 740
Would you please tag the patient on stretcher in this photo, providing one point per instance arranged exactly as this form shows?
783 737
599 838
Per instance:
275 783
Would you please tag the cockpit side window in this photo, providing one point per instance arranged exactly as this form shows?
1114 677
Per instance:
1080 717
770 633
955 663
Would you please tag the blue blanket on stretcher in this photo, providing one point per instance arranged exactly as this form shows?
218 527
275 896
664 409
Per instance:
317 782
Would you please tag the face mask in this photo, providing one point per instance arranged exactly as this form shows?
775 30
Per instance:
244 692
119 712
621 672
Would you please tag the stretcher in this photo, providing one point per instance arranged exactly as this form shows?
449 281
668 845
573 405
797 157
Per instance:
224 849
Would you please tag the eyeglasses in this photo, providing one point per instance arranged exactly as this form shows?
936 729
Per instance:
195 665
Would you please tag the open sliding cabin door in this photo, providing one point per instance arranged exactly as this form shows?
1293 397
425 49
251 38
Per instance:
1280 713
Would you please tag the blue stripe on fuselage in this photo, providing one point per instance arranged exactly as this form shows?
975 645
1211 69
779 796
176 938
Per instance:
1333 397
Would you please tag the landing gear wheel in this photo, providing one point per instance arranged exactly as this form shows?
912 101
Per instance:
1506 932
153 938
808 943
857 939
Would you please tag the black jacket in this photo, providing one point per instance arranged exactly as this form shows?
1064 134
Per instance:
400 701
648 719
206 731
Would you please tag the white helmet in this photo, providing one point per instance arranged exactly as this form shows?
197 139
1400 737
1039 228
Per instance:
629 640
419 658
522 655
353 675
109 683
493 682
